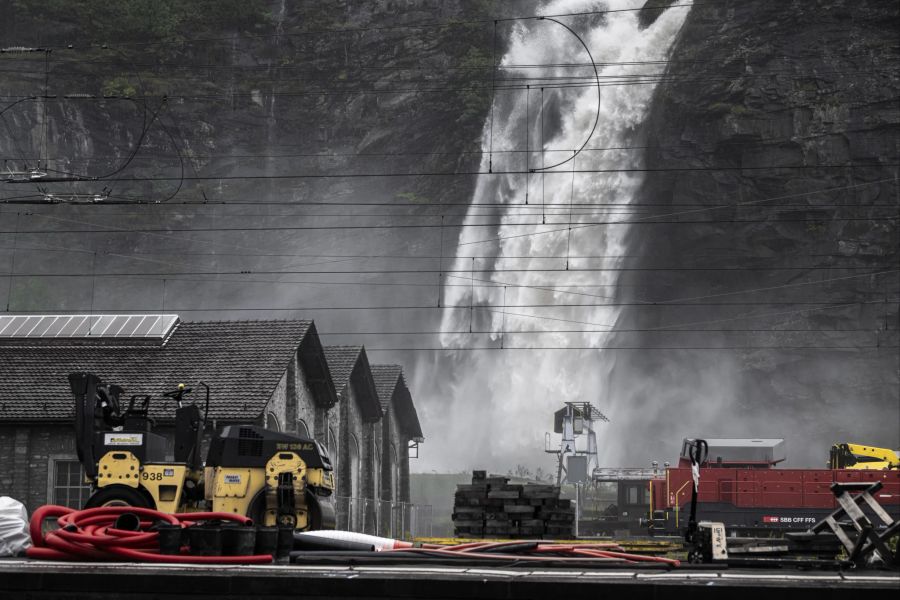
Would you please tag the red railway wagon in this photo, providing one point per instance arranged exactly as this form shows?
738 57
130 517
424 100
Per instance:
741 486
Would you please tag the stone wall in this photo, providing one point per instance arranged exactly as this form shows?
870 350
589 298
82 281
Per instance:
301 405
350 424
277 405
26 452
394 475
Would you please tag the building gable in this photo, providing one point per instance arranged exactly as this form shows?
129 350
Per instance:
349 365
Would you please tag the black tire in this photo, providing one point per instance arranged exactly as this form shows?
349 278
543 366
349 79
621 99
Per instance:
321 512
118 495
257 508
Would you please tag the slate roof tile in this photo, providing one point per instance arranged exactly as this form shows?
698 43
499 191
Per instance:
242 361
386 379
392 389
341 361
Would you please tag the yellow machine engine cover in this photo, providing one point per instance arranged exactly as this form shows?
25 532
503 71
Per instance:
118 468
165 482
233 489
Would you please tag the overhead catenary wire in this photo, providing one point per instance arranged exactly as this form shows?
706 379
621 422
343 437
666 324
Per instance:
406 153
136 253
581 225
677 213
576 225
468 307
420 174
492 283
230 96
590 134
878 347
315 66
446 272
570 220
399 26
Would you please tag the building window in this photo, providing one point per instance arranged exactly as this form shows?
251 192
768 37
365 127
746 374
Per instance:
355 480
332 446
395 476
377 475
302 429
67 486
354 468
272 422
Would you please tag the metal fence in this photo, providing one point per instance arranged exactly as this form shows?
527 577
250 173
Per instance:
398 520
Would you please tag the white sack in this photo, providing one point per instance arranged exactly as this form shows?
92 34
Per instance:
14 537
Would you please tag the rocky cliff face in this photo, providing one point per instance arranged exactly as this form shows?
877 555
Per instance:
278 100
770 206
770 210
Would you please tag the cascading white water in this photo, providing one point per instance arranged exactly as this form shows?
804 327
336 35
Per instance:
502 401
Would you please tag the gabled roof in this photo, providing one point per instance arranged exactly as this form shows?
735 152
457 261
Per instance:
349 365
386 379
242 361
393 391
341 362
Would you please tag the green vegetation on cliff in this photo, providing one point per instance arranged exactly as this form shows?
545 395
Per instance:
109 21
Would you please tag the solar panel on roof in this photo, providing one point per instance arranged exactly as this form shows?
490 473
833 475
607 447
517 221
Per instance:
86 326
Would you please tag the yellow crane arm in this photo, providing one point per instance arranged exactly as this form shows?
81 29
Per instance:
859 456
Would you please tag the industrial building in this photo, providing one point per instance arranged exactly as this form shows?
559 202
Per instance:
269 372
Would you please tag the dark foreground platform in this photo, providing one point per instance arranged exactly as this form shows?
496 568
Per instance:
27 580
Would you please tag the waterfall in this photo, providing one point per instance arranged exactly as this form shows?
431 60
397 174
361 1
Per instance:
502 401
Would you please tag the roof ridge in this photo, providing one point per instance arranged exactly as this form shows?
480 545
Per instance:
286 321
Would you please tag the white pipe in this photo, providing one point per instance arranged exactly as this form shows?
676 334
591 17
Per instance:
380 543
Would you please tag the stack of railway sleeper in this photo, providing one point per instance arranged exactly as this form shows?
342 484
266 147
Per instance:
492 507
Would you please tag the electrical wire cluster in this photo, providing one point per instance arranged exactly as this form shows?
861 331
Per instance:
430 219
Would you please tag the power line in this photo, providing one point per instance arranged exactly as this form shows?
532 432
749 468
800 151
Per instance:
756 142
313 66
136 253
377 175
340 30
494 212
647 304
580 225
445 271
677 213
867 330
540 317
225 96
642 348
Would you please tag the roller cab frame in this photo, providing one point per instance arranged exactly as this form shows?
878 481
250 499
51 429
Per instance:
274 478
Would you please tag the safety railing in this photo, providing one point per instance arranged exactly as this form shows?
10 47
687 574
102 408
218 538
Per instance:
398 520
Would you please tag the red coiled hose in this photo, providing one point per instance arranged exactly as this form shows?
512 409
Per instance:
89 535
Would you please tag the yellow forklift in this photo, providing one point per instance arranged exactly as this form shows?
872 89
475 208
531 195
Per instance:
272 477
